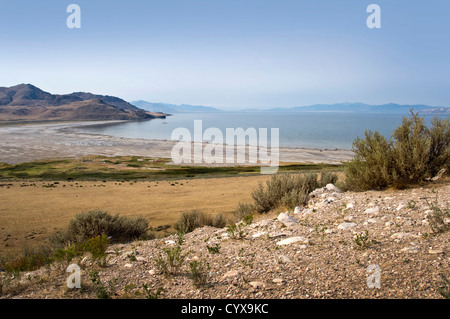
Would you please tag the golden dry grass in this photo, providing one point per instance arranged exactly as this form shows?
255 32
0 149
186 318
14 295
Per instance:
30 214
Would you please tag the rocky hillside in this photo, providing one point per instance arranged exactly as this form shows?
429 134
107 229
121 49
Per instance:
25 102
333 248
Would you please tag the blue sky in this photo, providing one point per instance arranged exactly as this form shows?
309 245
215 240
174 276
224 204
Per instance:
231 54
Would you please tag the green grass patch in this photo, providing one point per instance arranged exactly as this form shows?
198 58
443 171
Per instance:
125 168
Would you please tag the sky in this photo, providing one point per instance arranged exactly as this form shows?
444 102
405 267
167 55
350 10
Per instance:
231 54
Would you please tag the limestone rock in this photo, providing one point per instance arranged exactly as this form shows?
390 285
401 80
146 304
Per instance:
346 225
291 240
287 220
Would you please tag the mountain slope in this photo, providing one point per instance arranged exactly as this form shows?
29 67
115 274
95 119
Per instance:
26 102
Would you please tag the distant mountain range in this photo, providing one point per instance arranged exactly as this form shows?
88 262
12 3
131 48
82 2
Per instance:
26 102
390 108
172 108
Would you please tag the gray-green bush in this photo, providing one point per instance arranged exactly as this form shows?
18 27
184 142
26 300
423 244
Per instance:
193 219
287 190
413 153
96 223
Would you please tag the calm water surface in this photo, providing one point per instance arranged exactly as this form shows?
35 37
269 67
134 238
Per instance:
310 130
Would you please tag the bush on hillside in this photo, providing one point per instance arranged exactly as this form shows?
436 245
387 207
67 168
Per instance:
413 153
288 190
96 223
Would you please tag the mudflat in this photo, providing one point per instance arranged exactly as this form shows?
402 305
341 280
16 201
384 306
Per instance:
25 143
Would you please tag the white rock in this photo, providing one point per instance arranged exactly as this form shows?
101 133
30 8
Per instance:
332 188
231 274
401 206
284 259
291 240
287 220
403 236
170 242
346 225
128 265
259 234
372 221
374 210
278 280
257 284
349 206
349 218
412 250
389 224
298 210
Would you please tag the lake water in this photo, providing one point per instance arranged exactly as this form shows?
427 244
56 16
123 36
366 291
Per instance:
309 130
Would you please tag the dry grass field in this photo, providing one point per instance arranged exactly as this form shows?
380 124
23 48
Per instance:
31 211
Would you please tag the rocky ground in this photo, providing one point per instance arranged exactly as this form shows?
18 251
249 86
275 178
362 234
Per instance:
334 248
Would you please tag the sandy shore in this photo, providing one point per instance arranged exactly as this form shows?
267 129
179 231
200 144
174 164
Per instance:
24 143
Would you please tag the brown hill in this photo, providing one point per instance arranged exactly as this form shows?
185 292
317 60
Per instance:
25 102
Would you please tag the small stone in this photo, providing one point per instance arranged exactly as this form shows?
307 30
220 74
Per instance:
231 274
372 221
128 265
298 210
287 220
257 284
259 234
349 218
331 188
373 210
435 251
284 259
291 240
152 272
403 236
412 250
278 280
346 225
169 242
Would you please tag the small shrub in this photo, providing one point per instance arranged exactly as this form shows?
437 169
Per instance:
412 154
214 249
328 178
290 190
31 259
102 291
97 223
363 241
199 272
444 287
171 261
439 218
219 221
151 295
97 247
192 220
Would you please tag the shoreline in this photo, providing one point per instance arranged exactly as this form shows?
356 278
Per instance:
23 143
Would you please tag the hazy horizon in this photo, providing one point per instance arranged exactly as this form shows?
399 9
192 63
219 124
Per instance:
232 54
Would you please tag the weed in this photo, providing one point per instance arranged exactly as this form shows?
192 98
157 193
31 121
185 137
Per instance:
199 272
149 294
102 291
213 250
362 240
438 219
